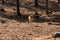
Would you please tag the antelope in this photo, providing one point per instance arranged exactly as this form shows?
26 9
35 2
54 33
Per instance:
31 17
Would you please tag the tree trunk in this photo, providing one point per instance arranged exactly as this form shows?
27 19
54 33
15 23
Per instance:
2 1
46 6
36 2
18 10
58 1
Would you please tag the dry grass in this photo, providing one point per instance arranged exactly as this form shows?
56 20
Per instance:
16 29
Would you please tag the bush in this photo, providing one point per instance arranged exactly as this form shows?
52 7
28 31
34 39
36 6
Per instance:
2 9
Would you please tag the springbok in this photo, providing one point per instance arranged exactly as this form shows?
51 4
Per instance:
32 17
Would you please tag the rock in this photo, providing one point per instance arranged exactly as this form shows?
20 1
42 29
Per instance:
2 9
56 35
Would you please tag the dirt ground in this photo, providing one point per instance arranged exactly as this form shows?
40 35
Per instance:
15 30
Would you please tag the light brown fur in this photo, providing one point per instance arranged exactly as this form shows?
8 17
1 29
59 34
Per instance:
30 18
